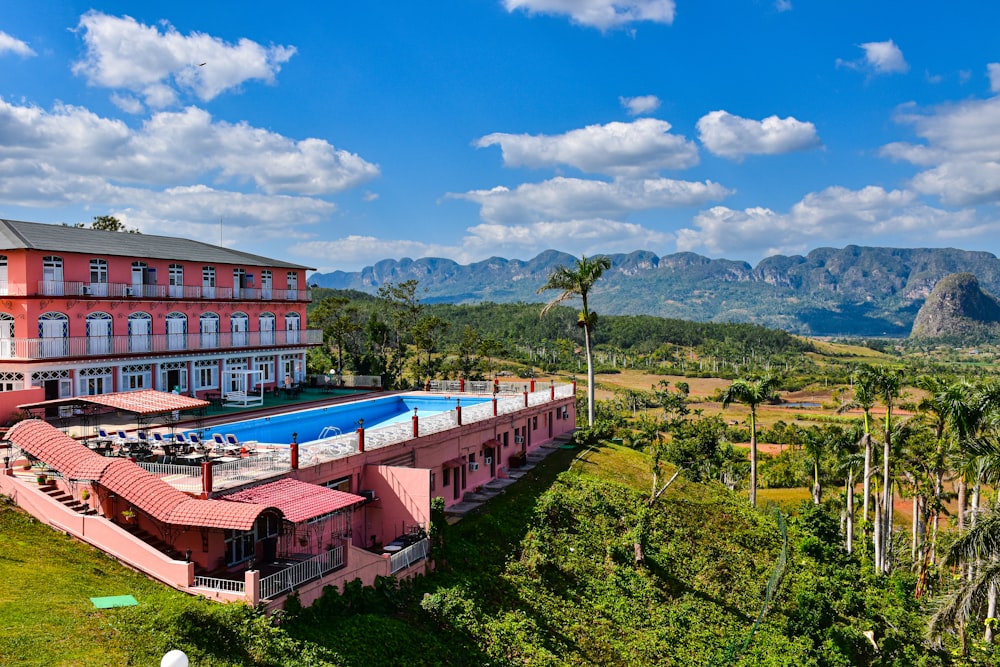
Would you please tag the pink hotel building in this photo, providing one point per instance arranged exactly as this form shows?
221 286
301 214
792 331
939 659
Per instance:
86 312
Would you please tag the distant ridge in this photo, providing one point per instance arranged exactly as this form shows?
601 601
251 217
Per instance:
856 290
958 308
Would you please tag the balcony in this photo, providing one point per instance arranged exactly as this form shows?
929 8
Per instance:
83 346
132 291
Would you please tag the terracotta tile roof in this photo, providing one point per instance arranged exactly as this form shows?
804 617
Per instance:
136 487
142 402
299 501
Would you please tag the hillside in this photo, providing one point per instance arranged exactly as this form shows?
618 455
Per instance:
958 308
863 291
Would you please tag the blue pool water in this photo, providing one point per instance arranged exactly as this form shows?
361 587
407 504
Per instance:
309 424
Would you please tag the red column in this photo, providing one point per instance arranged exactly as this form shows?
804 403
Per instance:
494 406
458 412
552 391
295 455
416 427
525 399
361 439
461 384
532 385
206 478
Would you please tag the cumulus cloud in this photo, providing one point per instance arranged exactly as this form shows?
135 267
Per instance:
9 44
643 146
585 236
173 147
834 215
573 198
643 104
993 71
159 63
961 151
601 14
880 58
783 5
734 137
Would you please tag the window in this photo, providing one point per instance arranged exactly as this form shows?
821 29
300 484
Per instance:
208 282
137 377
239 282
3 275
239 546
7 345
292 321
209 328
266 284
53 329
94 381
140 332
206 375
176 331
140 278
98 285
10 381
99 333
52 276
293 285
238 323
175 281
445 476
341 484
267 328
266 368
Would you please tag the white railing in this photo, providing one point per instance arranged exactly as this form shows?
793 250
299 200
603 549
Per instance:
408 556
80 346
76 288
251 468
214 583
181 477
486 387
287 579
362 380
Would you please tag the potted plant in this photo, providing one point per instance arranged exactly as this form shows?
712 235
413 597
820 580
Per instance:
85 495
129 516
41 479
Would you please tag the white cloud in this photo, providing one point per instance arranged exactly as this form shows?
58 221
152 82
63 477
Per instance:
601 14
834 215
172 147
638 106
640 147
993 71
783 5
734 137
885 57
961 151
573 198
588 236
9 44
157 65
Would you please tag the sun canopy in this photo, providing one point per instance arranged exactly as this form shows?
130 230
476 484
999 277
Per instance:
143 402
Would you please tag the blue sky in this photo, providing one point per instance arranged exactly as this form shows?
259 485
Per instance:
340 134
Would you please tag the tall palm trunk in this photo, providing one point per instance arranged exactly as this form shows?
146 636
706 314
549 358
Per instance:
753 456
590 375
850 510
867 493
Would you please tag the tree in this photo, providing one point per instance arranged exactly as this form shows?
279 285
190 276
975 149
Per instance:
753 393
864 398
573 282
888 383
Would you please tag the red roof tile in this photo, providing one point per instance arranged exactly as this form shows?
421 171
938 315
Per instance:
143 402
299 501
134 485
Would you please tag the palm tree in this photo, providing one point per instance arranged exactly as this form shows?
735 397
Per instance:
753 393
888 383
572 282
864 398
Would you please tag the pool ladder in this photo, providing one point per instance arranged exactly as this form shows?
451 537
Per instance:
329 432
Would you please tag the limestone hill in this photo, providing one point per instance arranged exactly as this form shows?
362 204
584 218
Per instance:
958 308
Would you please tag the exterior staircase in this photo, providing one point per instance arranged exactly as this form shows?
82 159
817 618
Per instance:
153 541
69 501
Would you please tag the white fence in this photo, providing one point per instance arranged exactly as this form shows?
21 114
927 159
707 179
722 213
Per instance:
287 579
214 583
408 556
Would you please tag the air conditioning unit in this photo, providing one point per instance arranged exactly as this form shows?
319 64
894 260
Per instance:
368 494
518 439
473 467
489 460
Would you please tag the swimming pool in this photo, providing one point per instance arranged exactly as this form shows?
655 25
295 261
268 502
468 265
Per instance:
310 424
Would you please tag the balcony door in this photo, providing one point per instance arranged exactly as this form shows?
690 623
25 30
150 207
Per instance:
6 336
209 323
292 328
239 323
52 276
53 329
99 333
267 329
176 281
176 331
140 332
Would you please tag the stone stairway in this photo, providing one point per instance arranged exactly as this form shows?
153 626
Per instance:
153 541
69 501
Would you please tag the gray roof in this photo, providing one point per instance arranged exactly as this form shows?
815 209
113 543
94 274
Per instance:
60 238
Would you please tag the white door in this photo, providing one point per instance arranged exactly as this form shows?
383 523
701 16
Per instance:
53 337
239 330
209 332
267 330
7 338
292 328
176 339
139 330
99 336
52 276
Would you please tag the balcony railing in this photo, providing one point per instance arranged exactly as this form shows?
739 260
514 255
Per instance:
132 291
87 346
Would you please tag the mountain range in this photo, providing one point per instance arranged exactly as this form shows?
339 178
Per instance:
853 291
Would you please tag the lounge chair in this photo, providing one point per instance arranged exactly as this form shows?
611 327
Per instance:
219 440
181 439
232 440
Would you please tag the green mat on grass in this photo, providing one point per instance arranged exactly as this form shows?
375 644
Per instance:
114 601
